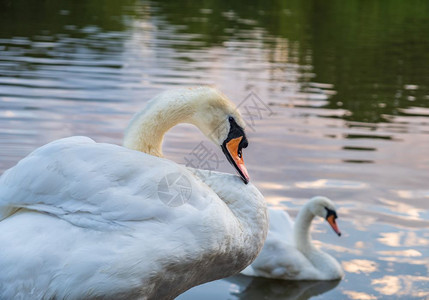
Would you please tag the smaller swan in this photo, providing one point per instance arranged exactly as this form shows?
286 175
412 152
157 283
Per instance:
288 252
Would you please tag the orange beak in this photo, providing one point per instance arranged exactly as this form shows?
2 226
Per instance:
331 221
236 158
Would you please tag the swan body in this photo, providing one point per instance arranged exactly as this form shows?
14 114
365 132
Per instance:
87 220
288 252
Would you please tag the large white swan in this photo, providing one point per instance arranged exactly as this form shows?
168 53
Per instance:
288 252
82 220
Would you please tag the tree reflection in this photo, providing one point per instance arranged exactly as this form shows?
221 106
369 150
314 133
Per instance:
375 55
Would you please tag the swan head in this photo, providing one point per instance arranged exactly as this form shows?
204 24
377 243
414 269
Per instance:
218 118
325 208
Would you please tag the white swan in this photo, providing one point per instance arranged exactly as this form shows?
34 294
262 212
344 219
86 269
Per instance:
288 252
82 220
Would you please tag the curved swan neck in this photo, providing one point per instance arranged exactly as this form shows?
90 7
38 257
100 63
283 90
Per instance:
204 107
146 130
302 230
325 264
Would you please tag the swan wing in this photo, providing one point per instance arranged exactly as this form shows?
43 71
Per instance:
280 260
280 236
97 185
281 225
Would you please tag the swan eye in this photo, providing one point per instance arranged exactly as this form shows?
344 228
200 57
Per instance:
330 212
230 119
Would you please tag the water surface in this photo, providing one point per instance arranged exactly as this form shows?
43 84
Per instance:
336 97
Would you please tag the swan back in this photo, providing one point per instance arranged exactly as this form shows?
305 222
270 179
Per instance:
281 225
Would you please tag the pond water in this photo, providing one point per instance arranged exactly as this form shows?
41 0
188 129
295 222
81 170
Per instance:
335 95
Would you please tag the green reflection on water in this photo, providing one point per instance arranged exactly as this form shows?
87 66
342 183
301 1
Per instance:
29 18
375 54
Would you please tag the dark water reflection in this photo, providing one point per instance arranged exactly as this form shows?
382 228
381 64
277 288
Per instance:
243 287
344 85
